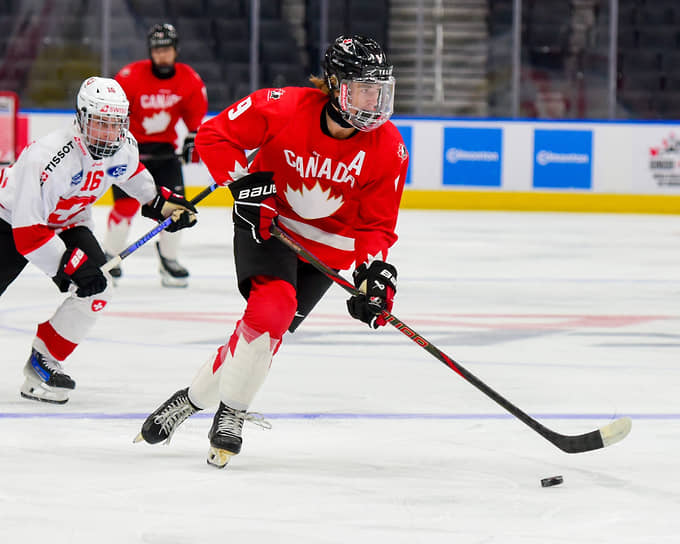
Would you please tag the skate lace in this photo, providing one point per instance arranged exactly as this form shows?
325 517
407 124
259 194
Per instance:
50 364
231 421
173 415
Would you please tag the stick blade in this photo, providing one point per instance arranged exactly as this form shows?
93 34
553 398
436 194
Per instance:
616 431
594 440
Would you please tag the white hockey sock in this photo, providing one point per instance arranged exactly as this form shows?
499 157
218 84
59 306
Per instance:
116 236
204 389
243 373
73 320
168 244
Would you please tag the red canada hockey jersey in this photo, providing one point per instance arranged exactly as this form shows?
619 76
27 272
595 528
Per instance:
339 198
157 104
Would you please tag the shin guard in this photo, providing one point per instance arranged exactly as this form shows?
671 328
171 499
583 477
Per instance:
118 225
204 390
246 365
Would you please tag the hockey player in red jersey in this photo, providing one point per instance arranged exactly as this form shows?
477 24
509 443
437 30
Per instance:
45 218
330 171
161 91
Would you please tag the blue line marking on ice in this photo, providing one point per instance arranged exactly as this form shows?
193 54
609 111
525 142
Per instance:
339 416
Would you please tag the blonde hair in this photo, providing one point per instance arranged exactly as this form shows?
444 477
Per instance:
320 83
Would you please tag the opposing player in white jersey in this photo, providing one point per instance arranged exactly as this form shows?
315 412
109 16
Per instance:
45 219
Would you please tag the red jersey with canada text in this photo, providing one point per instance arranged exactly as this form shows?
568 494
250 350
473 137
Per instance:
156 104
339 198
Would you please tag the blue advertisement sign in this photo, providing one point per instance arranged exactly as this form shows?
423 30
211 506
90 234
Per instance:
472 156
407 135
563 159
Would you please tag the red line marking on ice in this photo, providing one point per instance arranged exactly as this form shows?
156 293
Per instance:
463 320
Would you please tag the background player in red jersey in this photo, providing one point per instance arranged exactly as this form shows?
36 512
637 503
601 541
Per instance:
330 170
46 198
161 91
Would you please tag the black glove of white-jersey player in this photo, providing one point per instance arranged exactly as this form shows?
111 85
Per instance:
76 267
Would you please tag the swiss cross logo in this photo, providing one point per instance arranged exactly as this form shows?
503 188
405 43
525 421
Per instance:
43 177
69 208
98 305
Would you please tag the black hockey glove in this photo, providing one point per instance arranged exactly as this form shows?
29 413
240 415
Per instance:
379 282
77 268
168 203
189 153
254 204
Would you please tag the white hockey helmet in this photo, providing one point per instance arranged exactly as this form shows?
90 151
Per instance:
102 112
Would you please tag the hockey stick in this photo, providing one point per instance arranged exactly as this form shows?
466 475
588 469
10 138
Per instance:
180 156
115 261
164 157
605 436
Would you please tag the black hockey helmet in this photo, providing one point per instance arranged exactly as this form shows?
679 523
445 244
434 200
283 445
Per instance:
357 63
162 35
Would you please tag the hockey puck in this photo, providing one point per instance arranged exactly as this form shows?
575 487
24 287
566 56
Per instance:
553 480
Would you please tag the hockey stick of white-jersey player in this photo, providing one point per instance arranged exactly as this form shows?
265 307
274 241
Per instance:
115 261
605 436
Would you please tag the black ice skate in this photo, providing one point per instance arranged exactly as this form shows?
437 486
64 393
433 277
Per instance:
163 423
116 272
46 380
173 274
225 433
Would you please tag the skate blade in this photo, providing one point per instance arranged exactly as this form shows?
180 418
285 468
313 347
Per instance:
43 399
173 283
140 438
219 458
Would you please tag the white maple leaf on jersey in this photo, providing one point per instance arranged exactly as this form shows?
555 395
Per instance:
238 172
158 122
313 203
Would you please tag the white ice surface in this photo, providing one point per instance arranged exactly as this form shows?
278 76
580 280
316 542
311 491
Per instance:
574 318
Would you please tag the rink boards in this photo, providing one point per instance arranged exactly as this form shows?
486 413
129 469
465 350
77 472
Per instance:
480 164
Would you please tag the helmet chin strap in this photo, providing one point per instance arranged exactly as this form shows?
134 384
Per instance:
336 116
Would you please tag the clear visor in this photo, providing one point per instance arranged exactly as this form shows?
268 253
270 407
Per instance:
367 103
103 134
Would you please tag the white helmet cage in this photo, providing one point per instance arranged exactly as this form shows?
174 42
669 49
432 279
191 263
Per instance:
366 102
102 112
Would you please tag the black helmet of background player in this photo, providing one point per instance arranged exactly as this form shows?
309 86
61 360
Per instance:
357 68
162 41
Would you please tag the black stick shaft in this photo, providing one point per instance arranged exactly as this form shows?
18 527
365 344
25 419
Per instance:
570 444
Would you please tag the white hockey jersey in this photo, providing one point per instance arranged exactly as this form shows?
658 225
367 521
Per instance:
52 186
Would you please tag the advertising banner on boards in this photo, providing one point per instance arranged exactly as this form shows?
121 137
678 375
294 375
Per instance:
472 156
563 159
656 160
